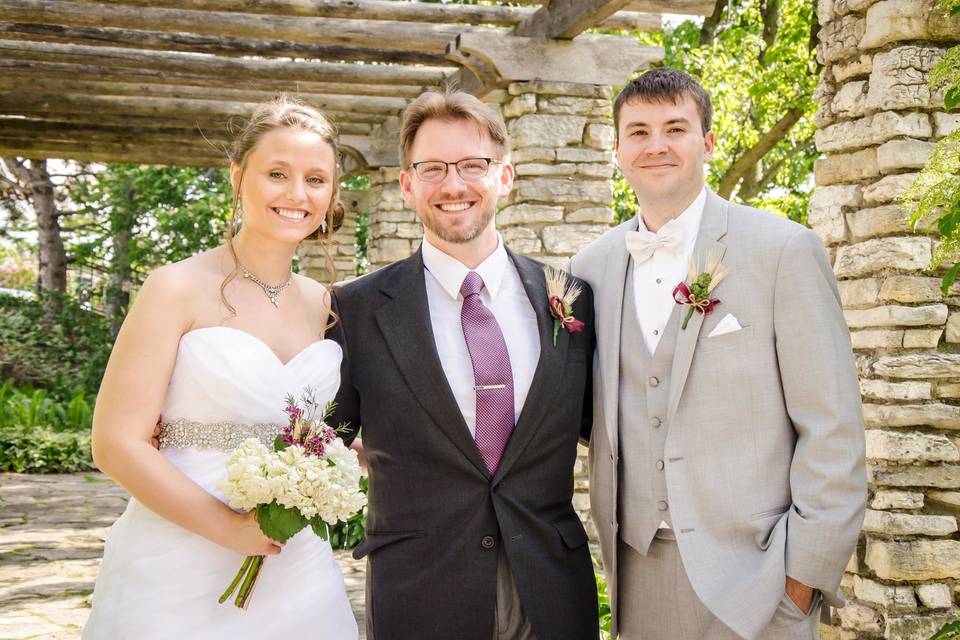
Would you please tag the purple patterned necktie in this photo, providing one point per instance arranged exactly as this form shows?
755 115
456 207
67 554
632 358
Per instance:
492 375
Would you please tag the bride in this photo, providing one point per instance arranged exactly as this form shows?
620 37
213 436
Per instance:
213 345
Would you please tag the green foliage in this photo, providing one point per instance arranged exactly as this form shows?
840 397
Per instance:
278 522
346 535
934 196
41 450
603 600
29 408
64 353
17 270
951 630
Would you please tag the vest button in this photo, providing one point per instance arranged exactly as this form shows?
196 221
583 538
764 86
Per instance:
654 381
655 422
660 465
487 542
661 505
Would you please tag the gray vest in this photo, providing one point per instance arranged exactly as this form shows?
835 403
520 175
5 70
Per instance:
642 420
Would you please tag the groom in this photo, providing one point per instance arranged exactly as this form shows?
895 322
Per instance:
470 411
727 473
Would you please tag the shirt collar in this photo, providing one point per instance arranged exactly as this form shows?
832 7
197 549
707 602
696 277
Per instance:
450 272
688 221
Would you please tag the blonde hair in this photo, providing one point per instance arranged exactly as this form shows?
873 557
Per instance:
278 113
451 105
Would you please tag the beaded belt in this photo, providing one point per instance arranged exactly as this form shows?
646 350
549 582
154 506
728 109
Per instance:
220 436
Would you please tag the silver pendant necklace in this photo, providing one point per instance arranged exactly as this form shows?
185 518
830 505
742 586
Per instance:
271 290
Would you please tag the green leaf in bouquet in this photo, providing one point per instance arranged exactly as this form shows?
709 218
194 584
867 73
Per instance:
319 527
279 523
279 444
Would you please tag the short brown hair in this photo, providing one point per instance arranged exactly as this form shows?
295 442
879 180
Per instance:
663 84
451 105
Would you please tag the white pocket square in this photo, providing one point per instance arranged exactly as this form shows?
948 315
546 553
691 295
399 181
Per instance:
729 324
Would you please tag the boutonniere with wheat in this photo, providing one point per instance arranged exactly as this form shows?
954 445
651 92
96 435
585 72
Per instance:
702 278
561 294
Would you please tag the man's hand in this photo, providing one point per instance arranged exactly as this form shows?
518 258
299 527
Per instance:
801 594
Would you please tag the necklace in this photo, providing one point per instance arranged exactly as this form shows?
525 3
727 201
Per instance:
272 290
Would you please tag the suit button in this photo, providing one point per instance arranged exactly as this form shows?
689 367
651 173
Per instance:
661 505
488 542
655 422
660 465
654 381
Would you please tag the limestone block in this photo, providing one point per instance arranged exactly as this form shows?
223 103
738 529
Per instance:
846 167
947 498
387 175
826 211
949 390
916 627
878 221
595 170
945 123
567 239
386 250
538 169
520 105
872 130
899 79
579 154
854 293
935 596
844 7
537 130
914 559
522 240
392 215
886 596
527 214
591 214
887 189
563 190
839 39
559 89
860 617
953 327
903 20
575 106
946 476
411 230
599 136
939 415
910 289
843 71
850 100
890 499
877 339
922 338
908 524
533 154
382 229
903 154
884 390
894 315
872 256
910 447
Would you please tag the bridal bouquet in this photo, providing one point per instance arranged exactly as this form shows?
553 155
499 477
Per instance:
310 478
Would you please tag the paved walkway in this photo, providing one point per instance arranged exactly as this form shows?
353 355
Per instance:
51 538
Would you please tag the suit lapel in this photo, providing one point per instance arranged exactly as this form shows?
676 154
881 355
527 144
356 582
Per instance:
713 226
549 372
406 327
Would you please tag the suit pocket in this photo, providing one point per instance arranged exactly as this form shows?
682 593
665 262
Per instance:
378 539
760 515
571 530
727 340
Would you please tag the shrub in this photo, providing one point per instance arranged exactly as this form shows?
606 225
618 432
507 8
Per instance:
28 408
41 450
17 271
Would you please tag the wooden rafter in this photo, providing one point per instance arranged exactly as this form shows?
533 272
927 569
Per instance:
567 18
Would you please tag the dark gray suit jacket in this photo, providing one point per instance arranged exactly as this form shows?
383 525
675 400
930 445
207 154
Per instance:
437 521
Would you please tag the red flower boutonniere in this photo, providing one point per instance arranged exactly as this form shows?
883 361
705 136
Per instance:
696 294
561 294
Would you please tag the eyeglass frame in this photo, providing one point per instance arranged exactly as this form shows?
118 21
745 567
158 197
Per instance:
446 169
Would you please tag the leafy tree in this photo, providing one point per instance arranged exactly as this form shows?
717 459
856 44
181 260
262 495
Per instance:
756 59
935 193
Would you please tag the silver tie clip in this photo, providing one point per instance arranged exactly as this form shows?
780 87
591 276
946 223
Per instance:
489 387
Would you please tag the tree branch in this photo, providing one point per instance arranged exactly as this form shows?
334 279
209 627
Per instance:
770 12
752 156
712 22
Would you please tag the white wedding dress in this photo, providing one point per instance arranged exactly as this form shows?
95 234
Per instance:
159 580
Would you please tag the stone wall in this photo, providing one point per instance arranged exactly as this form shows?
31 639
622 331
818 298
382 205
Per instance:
877 122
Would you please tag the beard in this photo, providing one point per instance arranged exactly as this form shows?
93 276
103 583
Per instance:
459 234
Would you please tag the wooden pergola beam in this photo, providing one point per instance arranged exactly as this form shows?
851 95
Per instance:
683 7
223 46
246 70
424 12
131 152
567 18
405 36
52 71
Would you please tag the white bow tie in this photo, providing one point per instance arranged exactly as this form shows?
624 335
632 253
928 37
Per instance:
642 244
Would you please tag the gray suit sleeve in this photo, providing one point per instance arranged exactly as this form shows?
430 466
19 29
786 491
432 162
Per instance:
827 476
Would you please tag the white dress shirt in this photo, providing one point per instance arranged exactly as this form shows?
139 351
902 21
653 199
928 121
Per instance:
655 278
504 295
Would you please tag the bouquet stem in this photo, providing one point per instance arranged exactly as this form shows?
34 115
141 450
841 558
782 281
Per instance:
247 579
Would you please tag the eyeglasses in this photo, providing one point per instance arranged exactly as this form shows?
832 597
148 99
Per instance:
467 169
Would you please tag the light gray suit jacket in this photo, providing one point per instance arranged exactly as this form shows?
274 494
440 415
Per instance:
765 449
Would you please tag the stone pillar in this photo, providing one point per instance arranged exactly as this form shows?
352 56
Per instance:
876 125
393 231
343 250
563 155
